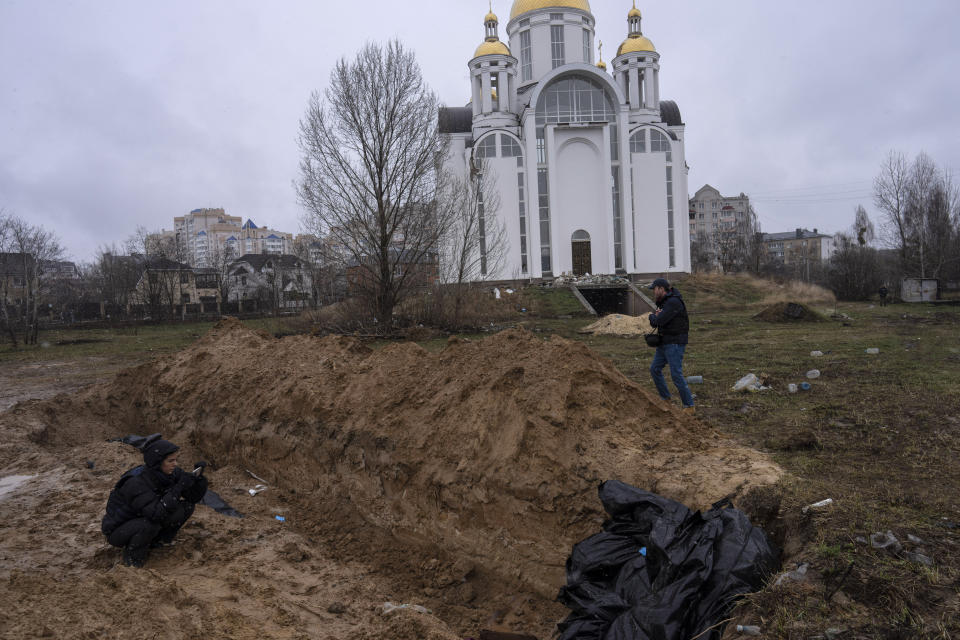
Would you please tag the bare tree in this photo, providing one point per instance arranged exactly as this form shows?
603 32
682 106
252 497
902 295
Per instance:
474 247
921 206
32 249
8 314
890 193
370 169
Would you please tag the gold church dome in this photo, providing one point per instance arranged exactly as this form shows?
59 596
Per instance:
523 6
491 17
634 44
634 13
494 47
602 65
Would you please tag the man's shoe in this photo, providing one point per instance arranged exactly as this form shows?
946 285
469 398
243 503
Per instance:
690 410
130 560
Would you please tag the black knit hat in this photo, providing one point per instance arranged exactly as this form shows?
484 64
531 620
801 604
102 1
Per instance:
155 452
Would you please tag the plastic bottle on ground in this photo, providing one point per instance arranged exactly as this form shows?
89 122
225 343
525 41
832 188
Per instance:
813 374
694 379
805 386
816 354
792 388
873 351
748 630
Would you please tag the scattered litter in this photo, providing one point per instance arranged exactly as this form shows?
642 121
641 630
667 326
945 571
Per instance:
566 279
255 476
813 374
280 518
816 354
861 540
389 607
886 541
818 505
752 383
91 464
694 379
257 489
873 351
947 524
697 565
914 539
919 558
496 293
748 630
509 291
797 575
792 388
805 386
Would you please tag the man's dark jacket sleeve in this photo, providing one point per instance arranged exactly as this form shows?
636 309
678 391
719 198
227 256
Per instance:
156 506
671 308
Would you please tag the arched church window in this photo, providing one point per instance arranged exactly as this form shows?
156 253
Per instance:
638 142
510 147
660 142
487 147
581 236
574 99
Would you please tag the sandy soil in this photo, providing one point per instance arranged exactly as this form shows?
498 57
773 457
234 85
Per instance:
617 324
457 481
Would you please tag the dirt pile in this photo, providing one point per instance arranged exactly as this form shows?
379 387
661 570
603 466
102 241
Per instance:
789 312
617 324
465 472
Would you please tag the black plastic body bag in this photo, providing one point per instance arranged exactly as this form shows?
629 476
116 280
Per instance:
660 571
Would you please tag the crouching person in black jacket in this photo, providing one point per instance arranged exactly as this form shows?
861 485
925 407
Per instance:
151 502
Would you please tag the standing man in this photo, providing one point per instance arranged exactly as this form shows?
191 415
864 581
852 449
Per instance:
672 321
883 295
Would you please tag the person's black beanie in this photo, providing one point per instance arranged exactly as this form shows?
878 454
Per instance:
155 452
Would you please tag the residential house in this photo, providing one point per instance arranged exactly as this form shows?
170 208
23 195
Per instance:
272 281
799 247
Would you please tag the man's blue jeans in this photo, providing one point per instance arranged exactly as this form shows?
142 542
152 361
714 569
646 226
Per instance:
671 354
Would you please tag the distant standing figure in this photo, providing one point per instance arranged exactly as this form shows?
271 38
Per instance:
883 295
151 502
672 321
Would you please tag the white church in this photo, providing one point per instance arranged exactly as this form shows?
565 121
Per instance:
589 165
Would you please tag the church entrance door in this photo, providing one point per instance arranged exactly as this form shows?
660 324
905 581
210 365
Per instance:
582 262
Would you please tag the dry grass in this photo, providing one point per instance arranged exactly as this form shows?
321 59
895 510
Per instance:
723 291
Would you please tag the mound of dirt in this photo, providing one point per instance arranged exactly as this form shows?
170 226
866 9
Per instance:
465 476
789 312
617 324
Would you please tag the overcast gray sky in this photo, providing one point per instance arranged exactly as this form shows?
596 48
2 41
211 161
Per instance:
115 114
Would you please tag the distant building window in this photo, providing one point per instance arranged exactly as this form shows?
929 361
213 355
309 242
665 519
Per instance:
557 47
587 46
556 16
638 142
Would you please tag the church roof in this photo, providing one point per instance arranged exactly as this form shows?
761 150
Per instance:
524 6
636 43
492 47
456 120
670 113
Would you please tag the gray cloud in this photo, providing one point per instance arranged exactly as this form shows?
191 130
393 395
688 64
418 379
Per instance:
116 114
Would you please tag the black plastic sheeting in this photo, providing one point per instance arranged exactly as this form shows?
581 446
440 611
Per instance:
210 498
660 571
